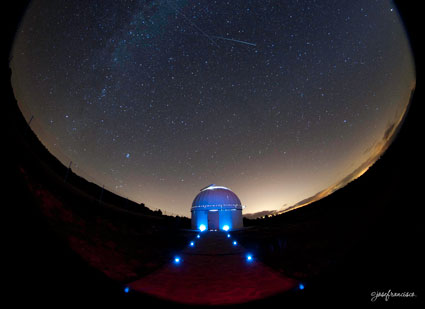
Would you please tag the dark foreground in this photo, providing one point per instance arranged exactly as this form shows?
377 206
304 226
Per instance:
214 270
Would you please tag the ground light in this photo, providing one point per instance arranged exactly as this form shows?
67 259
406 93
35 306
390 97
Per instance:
301 286
192 243
249 257
235 243
126 289
177 260
199 236
228 235
226 228
202 227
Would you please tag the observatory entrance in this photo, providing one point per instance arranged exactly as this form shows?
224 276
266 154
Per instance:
213 216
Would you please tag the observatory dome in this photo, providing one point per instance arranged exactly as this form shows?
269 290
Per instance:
216 208
216 196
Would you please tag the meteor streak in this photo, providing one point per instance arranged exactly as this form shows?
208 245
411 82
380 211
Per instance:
192 24
233 40
210 37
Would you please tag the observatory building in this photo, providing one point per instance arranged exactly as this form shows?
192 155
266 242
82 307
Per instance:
216 208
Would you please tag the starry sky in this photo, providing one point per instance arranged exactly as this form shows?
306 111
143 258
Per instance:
281 101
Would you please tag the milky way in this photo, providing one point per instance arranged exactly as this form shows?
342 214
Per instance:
278 100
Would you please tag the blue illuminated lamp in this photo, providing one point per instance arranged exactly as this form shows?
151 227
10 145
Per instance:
235 243
228 235
176 260
226 227
192 243
202 227
249 257
301 286
199 236
126 289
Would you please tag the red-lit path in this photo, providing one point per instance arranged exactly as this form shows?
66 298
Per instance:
213 272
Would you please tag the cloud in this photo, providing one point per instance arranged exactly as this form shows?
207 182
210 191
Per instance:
375 153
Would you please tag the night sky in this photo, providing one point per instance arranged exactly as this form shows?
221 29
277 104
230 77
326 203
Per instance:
281 101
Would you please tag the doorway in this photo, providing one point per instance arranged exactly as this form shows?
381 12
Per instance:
213 223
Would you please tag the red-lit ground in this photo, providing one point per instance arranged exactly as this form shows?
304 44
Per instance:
213 272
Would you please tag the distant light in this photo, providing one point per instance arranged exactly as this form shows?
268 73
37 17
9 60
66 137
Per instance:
235 243
226 228
192 243
301 286
177 259
228 235
126 289
202 227
249 257
199 236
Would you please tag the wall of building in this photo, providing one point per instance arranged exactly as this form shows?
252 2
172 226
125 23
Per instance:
199 217
230 217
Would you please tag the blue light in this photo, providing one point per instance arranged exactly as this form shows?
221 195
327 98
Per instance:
126 289
192 243
249 257
226 228
177 259
301 286
235 243
199 236
202 227
228 235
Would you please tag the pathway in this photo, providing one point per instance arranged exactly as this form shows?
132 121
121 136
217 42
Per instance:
213 271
